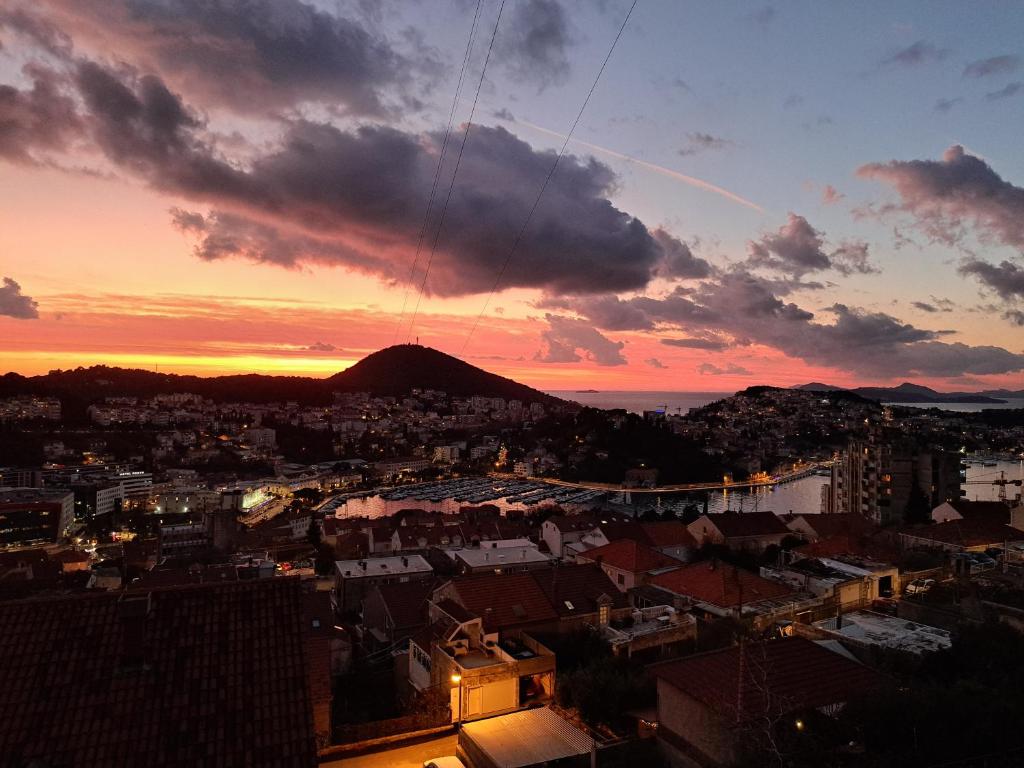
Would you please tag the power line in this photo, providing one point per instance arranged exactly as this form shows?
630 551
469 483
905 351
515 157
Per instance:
437 170
455 173
547 179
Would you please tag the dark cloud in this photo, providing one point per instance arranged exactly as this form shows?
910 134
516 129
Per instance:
533 44
1015 316
945 105
709 344
37 29
678 261
13 303
1006 279
249 55
655 363
566 337
996 65
704 142
321 346
1011 89
504 114
797 248
731 369
944 195
42 118
924 306
921 52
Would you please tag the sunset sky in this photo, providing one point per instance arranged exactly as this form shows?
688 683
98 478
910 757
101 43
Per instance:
754 194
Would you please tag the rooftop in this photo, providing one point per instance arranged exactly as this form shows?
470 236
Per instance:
628 555
740 524
531 737
720 584
382 566
866 628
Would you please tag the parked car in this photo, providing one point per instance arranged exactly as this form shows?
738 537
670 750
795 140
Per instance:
448 761
919 586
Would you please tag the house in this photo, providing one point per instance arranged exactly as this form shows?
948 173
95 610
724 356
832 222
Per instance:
969 534
753 531
849 583
867 630
712 705
960 509
249 681
627 562
713 589
559 531
816 527
553 599
534 737
354 579
486 672
670 537
494 559
392 612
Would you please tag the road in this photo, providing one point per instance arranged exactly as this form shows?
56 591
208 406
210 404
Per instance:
404 757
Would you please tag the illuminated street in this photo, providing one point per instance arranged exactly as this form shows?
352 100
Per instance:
404 757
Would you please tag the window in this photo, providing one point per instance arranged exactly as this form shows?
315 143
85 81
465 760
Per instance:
622 579
603 615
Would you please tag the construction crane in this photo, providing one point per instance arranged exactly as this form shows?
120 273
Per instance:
1000 481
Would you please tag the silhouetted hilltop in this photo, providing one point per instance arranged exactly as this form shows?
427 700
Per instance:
916 393
398 369
391 371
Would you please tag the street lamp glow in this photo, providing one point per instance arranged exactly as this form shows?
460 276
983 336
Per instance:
456 678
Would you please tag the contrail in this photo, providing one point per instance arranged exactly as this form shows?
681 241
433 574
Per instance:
693 181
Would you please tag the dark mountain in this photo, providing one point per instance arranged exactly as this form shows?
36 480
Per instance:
391 371
396 370
914 393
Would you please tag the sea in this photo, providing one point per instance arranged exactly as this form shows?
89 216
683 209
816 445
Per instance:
801 496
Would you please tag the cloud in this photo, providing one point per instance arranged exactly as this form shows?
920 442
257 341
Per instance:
1006 278
1011 89
40 119
318 196
709 369
251 55
533 44
852 257
945 105
36 29
1015 316
921 52
797 248
944 195
321 346
710 344
504 114
995 65
924 306
13 303
655 363
830 195
565 337
704 142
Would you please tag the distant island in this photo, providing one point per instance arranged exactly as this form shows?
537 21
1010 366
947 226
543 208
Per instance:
586 391
916 393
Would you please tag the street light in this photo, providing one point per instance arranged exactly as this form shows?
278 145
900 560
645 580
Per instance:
457 680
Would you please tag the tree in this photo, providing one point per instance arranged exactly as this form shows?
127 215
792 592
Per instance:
313 534
918 509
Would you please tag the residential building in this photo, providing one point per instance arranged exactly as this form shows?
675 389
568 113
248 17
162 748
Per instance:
534 737
711 706
559 531
750 531
486 558
34 516
393 612
627 562
970 534
870 630
354 579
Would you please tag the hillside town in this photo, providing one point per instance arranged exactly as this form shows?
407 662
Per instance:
442 576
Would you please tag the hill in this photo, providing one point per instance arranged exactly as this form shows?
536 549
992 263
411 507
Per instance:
908 392
391 371
398 369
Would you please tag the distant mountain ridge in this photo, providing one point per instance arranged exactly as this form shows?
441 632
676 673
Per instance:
908 392
391 371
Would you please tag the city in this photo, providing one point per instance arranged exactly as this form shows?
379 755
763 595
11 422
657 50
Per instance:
511 383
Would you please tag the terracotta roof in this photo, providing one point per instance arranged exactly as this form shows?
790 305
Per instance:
455 611
720 584
567 524
968 508
740 524
836 524
578 585
668 534
220 676
504 601
406 603
969 532
629 555
745 682
846 544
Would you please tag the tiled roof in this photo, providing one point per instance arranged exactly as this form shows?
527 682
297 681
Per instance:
968 508
845 544
407 602
219 678
579 586
629 555
504 601
745 682
720 584
740 524
969 532
668 534
836 524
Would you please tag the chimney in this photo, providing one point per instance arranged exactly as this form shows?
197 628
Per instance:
132 612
